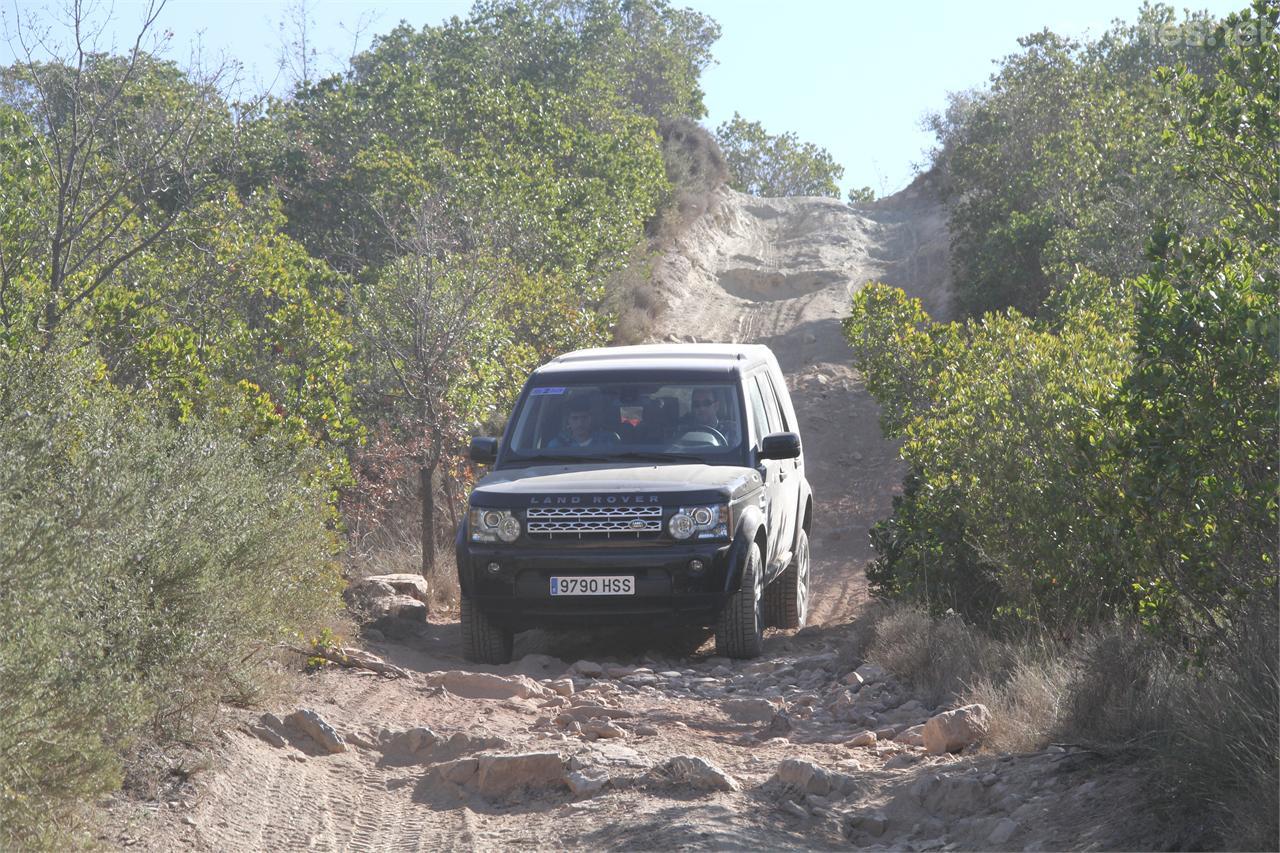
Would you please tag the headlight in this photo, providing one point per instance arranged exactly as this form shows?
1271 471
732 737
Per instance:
702 522
490 525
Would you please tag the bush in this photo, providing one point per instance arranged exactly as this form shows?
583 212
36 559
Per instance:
1208 738
938 658
144 571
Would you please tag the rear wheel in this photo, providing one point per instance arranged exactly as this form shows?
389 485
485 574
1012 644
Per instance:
483 641
787 598
740 628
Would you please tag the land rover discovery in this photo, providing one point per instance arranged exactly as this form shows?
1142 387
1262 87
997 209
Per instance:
651 484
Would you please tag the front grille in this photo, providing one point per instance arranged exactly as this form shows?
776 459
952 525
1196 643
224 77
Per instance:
594 520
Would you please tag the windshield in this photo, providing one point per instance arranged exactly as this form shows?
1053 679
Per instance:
693 420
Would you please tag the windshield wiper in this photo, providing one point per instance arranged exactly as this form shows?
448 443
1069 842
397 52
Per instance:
657 454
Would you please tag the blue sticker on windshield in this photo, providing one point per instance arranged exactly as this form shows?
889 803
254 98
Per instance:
539 392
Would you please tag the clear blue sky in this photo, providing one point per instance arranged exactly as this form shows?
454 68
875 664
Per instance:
853 77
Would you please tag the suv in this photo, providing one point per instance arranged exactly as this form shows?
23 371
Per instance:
646 484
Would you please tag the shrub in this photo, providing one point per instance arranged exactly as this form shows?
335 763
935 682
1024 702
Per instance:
938 658
144 571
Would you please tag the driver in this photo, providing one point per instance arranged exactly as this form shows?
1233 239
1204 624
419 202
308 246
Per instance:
580 429
706 412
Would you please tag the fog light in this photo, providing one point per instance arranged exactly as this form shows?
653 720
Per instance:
696 567
493 568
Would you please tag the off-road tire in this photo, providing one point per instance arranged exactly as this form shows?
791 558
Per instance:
786 600
483 641
740 628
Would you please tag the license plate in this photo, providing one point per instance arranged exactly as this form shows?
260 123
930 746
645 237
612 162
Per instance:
607 585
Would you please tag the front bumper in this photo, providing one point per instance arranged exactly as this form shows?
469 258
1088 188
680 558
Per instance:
518 596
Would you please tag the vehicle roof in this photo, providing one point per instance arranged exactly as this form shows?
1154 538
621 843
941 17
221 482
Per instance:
704 358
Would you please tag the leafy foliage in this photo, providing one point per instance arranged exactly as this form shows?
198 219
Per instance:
1066 158
203 303
1116 455
765 164
147 568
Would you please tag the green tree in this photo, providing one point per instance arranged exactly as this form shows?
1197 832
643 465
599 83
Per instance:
125 146
764 164
1061 162
1006 426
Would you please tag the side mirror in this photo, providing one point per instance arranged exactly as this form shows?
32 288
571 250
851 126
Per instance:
780 445
484 451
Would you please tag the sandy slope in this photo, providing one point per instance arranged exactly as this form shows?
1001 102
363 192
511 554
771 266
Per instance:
777 271
781 272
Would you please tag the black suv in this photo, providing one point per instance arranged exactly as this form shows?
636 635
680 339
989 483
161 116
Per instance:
645 483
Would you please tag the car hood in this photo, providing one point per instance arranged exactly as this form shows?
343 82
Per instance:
613 484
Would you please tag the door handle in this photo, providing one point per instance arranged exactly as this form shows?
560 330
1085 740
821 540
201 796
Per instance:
782 475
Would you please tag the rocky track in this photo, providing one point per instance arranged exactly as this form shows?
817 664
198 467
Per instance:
621 740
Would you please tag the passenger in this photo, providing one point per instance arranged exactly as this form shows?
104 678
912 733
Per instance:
580 429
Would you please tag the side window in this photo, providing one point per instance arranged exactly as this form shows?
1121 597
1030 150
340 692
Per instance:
757 409
775 400
771 404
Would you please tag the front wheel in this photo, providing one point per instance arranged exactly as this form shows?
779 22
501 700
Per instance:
483 641
740 628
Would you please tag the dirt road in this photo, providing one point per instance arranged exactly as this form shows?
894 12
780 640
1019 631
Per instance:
613 710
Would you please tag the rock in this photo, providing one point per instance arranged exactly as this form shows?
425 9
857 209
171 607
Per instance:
646 729
399 607
954 795
586 782
1003 831
699 773
640 679
864 738
601 729
364 593
591 711
484 685
312 724
779 726
872 673
420 745
817 663
412 740
796 809
502 775
913 736
951 731
562 686
990 779
804 776
588 669
266 734
405 583
752 710
872 824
